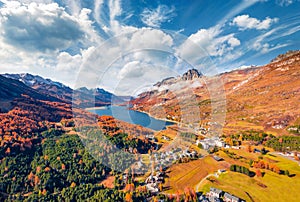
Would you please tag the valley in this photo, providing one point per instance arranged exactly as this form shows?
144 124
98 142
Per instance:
68 147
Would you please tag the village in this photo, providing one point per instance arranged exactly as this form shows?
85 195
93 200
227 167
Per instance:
160 161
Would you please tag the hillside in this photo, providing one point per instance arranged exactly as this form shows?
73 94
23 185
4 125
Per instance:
83 97
262 98
25 112
11 89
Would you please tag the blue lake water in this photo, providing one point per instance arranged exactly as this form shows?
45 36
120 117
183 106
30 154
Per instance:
131 116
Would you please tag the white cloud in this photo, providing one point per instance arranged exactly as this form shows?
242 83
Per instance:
34 36
150 38
247 22
133 59
155 17
74 6
284 2
264 43
131 70
137 75
234 42
38 27
238 8
97 12
263 48
210 41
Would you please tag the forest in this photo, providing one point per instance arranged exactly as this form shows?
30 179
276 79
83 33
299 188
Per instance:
280 143
61 169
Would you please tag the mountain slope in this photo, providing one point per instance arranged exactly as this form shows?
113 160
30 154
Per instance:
263 98
11 89
25 113
271 98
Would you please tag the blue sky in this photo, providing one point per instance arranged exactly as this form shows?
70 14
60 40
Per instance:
66 40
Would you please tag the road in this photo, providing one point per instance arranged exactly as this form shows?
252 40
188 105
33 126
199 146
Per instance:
198 185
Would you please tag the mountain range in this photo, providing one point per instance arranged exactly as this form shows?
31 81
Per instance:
82 97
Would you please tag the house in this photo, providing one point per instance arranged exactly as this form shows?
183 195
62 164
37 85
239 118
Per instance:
217 158
221 171
208 143
219 143
235 147
166 138
227 146
215 193
202 198
150 137
230 198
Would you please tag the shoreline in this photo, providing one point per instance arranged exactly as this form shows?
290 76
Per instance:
161 119
92 110
95 108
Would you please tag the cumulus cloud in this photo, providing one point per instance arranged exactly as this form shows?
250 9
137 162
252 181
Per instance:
36 38
134 58
137 75
247 22
149 38
211 41
155 17
234 42
38 27
131 70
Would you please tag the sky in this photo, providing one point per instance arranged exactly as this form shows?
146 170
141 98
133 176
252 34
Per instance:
127 46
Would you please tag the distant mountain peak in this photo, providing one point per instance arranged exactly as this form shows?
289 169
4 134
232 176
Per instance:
191 74
31 80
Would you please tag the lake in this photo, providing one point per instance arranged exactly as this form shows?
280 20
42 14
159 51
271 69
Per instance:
131 116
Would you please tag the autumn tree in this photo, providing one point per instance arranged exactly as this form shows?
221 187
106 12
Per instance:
160 187
241 138
276 170
258 173
128 197
248 148
287 173
7 150
73 184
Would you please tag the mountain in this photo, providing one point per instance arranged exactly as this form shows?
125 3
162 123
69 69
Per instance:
83 97
187 76
25 112
30 104
191 75
95 97
11 89
269 98
44 86
260 98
